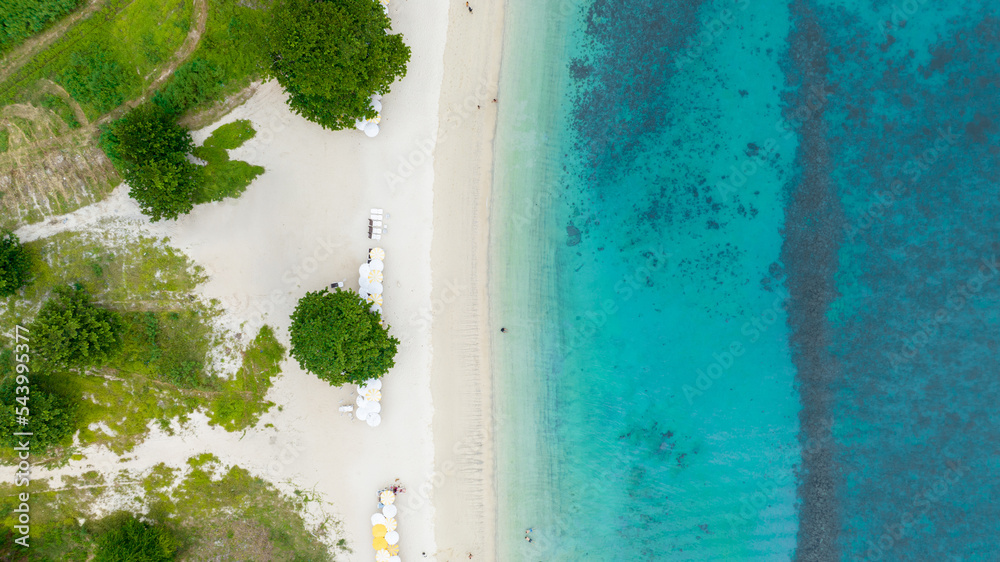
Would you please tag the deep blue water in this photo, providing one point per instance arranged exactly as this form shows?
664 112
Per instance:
747 255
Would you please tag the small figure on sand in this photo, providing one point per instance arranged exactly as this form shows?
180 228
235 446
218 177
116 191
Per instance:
469 7
527 538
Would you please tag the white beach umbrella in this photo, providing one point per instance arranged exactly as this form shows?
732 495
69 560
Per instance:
374 383
390 523
361 401
371 130
378 519
360 124
376 105
363 293
376 308
373 420
374 407
374 288
376 264
374 275
376 254
361 414
382 556
392 537
363 270
387 497
373 394
389 511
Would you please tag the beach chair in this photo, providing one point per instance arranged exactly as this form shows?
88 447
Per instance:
374 223
346 408
376 211
376 236
375 217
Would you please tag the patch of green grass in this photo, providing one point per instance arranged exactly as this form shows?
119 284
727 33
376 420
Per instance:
160 373
231 135
4 139
122 40
222 177
60 107
226 60
24 18
241 402
217 512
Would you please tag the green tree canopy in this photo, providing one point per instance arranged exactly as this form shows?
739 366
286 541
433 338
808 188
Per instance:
51 417
127 539
70 331
337 338
331 56
15 264
149 149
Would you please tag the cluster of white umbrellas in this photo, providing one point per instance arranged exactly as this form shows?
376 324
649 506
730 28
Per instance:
370 126
370 279
370 402
385 538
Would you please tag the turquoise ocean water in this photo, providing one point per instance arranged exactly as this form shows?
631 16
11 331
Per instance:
707 298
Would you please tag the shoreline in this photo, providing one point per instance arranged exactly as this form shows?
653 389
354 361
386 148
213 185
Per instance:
461 379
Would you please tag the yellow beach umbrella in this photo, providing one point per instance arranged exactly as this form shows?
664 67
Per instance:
374 276
393 549
382 556
379 531
390 524
378 543
387 497
377 254
373 395
375 299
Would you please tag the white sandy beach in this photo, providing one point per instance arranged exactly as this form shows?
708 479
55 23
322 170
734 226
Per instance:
303 225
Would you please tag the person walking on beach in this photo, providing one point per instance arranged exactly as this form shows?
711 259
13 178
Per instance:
469 7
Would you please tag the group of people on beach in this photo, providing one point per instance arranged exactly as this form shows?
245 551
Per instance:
527 534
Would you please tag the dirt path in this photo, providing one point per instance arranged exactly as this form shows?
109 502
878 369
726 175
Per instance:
17 58
180 55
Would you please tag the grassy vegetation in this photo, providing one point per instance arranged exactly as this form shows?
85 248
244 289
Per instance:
59 106
241 400
24 18
226 60
108 56
4 139
223 177
215 512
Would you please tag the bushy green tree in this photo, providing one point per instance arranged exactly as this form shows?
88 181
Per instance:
332 55
127 539
336 337
149 149
51 417
70 331
15 264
